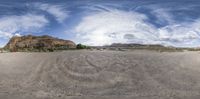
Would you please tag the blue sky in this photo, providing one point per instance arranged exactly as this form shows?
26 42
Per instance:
103 22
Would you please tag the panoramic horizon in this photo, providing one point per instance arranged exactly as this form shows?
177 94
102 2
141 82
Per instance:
99 49
102 22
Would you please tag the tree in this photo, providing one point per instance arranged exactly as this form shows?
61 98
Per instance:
80 46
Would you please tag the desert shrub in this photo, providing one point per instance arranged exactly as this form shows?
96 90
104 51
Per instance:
50 50
80 46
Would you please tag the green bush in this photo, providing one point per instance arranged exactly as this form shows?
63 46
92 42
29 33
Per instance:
80 46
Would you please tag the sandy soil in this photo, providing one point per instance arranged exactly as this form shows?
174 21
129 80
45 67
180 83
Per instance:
100 75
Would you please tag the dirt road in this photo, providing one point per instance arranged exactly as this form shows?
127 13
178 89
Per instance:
100 75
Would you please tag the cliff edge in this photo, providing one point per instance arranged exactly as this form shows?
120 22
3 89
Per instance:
38 43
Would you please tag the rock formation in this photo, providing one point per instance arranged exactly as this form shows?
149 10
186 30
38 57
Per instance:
38 43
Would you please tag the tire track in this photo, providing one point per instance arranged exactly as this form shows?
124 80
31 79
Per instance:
101 80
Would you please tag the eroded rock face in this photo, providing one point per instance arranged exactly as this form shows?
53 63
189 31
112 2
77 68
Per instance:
37 43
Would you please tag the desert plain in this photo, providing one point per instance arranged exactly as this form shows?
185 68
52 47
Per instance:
84 74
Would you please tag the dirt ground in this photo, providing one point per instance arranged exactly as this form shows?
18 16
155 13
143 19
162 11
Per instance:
100 75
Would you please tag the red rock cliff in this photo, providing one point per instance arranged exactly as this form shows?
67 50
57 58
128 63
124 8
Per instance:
37 42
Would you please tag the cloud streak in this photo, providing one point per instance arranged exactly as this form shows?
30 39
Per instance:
13 25
111 27
119 26
57 11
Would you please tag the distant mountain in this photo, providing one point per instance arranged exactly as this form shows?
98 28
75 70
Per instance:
38 43
134 45
158 47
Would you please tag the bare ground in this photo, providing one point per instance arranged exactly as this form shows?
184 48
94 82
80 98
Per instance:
100 75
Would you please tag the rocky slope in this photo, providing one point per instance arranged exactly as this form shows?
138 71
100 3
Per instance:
38 43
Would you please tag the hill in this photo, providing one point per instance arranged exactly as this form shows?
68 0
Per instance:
38 43
157 47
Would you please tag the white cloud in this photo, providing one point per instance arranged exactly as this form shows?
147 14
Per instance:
111 27
5 34
11 25
56 10
186 34
116 26
163 15
17 34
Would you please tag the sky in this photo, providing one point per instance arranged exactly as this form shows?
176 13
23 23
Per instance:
103 22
